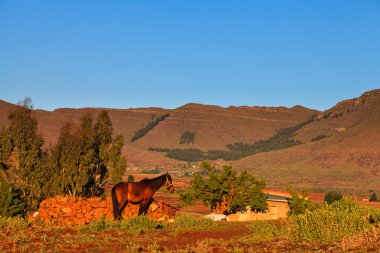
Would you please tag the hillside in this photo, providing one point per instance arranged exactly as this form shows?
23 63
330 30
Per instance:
338 149
213 127
348 159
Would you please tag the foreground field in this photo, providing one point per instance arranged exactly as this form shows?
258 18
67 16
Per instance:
199 236
223 237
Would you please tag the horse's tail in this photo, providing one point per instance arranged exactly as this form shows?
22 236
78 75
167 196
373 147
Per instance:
115 204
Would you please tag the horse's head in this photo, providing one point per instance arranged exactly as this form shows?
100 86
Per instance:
168 183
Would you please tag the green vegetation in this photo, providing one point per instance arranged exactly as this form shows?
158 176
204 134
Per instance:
10 201
22 161
327 224
332 196
131 178
187 138
373 197
87 156
299 204
83 160
281 140
14 223
331 222
152 171
374 215
226 190
132 225
188 222
264 231
145 129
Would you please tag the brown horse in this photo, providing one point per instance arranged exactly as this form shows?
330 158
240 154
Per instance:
138 193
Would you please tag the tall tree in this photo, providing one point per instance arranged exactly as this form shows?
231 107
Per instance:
89 155
21 154
72 160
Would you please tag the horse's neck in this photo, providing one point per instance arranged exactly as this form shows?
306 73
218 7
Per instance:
157 182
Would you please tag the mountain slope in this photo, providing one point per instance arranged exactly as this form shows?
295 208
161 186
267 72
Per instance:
213 127
348 159
340 150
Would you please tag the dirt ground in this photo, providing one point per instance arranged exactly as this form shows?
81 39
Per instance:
224 237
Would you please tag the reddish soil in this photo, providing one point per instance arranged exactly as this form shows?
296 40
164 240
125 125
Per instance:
226 236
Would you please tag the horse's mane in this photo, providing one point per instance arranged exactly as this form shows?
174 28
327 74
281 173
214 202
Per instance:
151 179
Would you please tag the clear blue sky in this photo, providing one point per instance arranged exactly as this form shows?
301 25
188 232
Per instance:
122 54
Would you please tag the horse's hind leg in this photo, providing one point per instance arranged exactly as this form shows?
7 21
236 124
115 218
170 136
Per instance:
144 206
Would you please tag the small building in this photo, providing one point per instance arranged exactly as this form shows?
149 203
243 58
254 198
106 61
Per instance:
278 208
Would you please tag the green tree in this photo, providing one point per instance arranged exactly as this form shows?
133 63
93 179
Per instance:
88 156
21 156
72 159
10 201
332 196
226 189
299 203
373 197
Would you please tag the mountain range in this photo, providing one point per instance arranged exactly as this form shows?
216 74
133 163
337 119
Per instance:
335 149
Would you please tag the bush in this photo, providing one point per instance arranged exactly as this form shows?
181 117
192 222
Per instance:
331 222
300 204
332 196
263 230
14 223
188 222
373 197
374 215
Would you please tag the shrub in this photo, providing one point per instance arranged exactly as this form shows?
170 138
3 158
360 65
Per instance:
263 230
14 223
188 222
373 197
332 196
330 222
299 204
374 215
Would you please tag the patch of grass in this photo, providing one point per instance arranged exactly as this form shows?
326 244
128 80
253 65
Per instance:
132 225
188 222
14 223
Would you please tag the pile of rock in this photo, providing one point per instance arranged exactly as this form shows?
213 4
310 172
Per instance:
68 210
